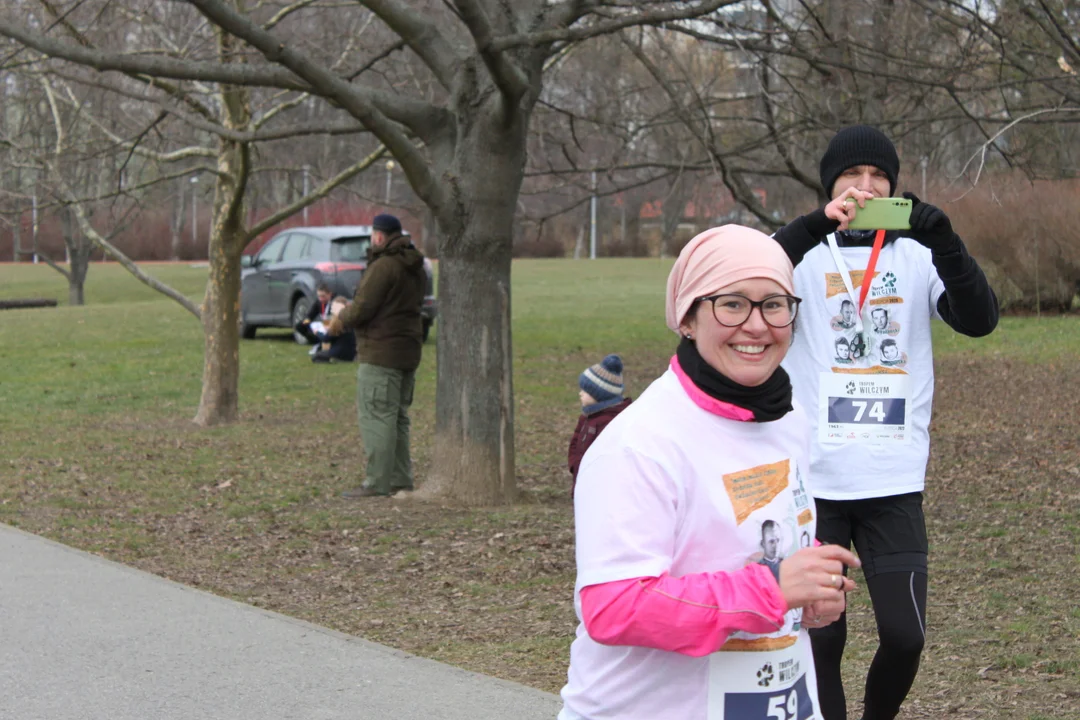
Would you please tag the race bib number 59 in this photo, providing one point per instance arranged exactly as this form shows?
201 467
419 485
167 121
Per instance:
791 704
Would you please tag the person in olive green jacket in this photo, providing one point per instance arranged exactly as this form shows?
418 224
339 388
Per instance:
385 313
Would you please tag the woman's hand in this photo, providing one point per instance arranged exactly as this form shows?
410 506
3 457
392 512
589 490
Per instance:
842 210
816 575
824 612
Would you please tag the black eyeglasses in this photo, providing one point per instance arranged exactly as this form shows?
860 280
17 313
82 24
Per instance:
732 310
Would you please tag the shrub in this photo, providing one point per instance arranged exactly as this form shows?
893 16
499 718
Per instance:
1026 235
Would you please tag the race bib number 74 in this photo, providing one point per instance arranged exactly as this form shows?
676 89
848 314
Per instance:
856 408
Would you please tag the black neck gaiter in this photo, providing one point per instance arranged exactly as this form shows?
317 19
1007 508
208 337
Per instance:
769 401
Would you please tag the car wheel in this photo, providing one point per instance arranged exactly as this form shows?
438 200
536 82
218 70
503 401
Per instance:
299 312
427 329
247 331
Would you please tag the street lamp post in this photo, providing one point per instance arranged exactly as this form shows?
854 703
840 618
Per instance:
389 179
305 193
592 220
194 208
34 223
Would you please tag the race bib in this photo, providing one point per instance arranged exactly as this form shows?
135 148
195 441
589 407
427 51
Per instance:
763 685
864 408
791 704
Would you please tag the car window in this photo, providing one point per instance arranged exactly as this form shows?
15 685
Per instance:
297 248
351 249
316 250
271 251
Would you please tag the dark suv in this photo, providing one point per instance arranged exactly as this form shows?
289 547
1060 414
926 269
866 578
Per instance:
278 284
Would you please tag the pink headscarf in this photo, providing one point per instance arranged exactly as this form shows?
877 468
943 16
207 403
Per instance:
720 257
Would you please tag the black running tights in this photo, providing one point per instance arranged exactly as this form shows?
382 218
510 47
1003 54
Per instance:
899 600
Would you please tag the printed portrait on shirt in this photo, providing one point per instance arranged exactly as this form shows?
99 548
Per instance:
889 354
882 324
846 319
842 348
772 538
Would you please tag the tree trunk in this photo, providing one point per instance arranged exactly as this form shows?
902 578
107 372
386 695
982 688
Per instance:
220 401
671 214
632 203
78 251
474 398
77 282
176 221
474 413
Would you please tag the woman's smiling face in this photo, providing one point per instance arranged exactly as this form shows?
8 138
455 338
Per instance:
750 353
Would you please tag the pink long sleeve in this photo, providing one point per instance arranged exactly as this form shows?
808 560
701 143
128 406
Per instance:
691 615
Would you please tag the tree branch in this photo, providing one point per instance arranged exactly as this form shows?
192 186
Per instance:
326 84
782 148
508 77
733 181
213 128
980 154
135 147
233 74
95 237
168 88
286 12
52 263
375 59
320 192
654 17
55 115
421 117
422 36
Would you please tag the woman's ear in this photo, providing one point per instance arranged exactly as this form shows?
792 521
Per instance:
686 328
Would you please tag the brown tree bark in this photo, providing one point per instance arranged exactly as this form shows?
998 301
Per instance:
220 399
474 397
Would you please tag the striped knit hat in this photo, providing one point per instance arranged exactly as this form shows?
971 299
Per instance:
604 379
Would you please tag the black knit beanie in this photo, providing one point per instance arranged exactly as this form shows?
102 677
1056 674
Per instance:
859 145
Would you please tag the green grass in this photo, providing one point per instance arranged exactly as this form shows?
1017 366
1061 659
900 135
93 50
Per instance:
130 350
1049 339
106 284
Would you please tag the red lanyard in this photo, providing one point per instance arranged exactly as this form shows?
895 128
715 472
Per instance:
868 277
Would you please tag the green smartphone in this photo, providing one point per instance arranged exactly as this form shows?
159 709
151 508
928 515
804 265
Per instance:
882 214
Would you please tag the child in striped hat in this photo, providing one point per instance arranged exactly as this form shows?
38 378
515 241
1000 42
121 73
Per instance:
601 400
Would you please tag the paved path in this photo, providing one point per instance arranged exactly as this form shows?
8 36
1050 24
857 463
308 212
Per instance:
82 637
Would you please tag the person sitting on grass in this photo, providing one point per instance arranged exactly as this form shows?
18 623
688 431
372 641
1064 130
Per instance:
317 314
336 348
601 395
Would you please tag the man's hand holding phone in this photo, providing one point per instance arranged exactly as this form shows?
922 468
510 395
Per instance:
843 208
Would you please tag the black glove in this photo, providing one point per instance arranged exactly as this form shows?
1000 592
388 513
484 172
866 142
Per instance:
930 226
